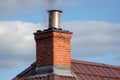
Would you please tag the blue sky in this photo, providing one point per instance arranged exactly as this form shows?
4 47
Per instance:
90 10
95 24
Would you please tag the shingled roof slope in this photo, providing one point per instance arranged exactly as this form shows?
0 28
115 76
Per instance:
83 70
95 71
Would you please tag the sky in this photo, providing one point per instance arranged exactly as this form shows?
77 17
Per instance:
95 25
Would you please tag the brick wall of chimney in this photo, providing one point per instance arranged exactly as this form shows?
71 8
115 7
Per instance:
53 48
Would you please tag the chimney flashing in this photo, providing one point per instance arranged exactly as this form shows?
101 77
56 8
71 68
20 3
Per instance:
57 70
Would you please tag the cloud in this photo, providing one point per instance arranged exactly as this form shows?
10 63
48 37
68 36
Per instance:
13 7
9 6
95 32
90 39
16 42
94 38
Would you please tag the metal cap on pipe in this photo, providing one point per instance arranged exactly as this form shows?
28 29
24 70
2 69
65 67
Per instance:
54 19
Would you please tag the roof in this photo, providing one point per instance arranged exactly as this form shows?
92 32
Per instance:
83 70
95 71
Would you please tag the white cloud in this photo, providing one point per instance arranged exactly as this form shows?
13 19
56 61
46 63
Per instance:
90 39
16 42
94 38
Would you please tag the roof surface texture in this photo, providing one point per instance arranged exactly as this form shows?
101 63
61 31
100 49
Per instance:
83 70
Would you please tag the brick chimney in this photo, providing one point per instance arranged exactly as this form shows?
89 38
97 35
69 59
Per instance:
53 48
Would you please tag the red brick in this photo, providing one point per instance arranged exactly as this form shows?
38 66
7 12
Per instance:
53 48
